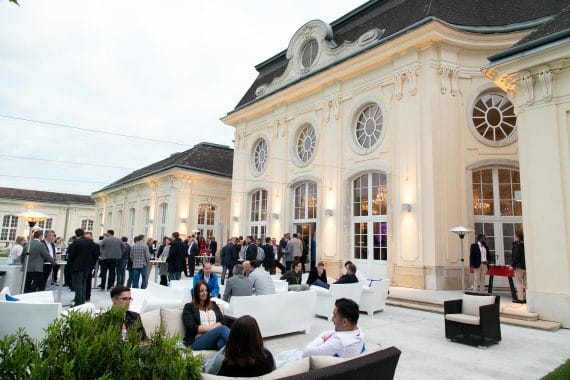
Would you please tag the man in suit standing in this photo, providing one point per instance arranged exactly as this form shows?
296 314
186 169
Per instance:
35 280
193 250
111 252
81 255
479 259
295 247
48 243
228 258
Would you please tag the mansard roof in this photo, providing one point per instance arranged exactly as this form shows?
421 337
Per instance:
205 158
394 17
44 196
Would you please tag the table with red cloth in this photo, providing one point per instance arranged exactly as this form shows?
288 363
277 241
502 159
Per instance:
503 271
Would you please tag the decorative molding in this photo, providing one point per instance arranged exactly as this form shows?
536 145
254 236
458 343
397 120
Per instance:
545 80
332 106
525 81
449 74
410 74
328 53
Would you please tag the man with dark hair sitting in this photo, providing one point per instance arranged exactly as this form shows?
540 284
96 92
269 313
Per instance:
346 340
121 297
348 278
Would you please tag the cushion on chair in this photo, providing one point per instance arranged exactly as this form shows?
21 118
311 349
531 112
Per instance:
471 303
463 318
151 321
11 299
319 361
172 320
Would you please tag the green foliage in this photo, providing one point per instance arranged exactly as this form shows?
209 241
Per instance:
80 346
560 373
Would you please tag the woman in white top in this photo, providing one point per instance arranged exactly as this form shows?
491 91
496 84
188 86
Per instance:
17 249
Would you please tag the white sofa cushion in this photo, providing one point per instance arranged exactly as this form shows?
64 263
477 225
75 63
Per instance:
463 318
151 321
292 368
471 304
326 361
172 319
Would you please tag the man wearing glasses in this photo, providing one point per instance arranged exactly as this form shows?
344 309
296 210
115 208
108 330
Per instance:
121 297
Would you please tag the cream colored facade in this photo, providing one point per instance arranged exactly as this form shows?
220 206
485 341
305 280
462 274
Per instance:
539 81
63 218
165 202
424 82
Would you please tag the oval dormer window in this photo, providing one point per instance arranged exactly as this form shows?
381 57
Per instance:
309 53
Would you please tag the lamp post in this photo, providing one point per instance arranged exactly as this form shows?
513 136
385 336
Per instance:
461 231
32 217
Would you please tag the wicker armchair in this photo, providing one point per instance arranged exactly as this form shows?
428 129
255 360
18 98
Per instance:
474 319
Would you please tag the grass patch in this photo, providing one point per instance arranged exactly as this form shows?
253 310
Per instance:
560 373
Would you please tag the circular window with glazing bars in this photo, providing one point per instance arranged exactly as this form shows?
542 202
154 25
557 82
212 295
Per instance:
309 53
260 155
369 125
493 119
306 143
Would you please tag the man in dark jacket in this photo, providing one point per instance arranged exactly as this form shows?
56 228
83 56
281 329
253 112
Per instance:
176 257
479 259
38 254
81 255
269 259
520 267
228 258
251 250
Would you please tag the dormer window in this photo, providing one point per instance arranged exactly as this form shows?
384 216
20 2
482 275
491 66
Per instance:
309 53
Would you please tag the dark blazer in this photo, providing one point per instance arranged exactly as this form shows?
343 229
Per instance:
251 252
347 279
518 255
213 247
193 249
82 255
269 260
176 256
475 255
191 320
313 275
52 246
229 255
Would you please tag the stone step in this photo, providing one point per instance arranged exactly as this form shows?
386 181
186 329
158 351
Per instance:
511 316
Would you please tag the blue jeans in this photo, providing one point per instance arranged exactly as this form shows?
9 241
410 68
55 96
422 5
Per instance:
321 283
121 266
212 340
174 275
223 276
137 272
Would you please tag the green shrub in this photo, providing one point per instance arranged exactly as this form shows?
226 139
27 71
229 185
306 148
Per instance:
80 346
560 373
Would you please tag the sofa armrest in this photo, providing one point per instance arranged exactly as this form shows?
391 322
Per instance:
452 306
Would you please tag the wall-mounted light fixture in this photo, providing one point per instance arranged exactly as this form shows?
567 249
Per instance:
518 196
235 218
275 215
149 221
183 220
328 212
406 207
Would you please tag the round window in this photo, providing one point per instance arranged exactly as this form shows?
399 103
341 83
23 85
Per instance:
260 155
369 126
309 53
493 117
306 143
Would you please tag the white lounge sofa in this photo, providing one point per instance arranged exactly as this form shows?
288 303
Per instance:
326 298
374 297
157 296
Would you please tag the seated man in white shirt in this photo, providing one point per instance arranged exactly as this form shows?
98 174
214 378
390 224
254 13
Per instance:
346 340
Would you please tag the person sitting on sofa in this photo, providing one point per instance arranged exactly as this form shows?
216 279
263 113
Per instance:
209 277
317 274
238 285
202 319
359 275
244 354
294 277
346 340
348 278
261 280
121 297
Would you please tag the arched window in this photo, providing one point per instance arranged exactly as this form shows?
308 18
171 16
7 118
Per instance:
206 219
146 219
369 217
305 202
497 212
260 156
163 215
258 214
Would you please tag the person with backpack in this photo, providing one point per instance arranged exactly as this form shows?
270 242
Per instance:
251 249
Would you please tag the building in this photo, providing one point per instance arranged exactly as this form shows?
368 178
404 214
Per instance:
65 212
187 192
374 135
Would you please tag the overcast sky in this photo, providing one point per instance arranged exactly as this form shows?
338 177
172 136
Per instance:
165 70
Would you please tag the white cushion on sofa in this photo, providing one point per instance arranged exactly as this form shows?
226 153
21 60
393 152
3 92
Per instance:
172 319
463 318
318 361
470 304
292 368
150 321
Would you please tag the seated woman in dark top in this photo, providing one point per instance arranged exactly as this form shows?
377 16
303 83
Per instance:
202 319
245 355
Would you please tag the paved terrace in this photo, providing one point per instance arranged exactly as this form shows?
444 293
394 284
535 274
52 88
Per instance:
524 353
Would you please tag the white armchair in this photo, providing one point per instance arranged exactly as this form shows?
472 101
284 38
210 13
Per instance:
324 304
374 297
159 296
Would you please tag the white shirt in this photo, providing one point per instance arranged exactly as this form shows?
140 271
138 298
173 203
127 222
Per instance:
343 344
15 253
483 252
207 317
49 248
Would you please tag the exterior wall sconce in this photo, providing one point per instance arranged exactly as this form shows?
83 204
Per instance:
150 221
406 207
235 218
328 212
275 215
183 220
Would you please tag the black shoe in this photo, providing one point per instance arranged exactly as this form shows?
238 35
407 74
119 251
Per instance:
519 301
